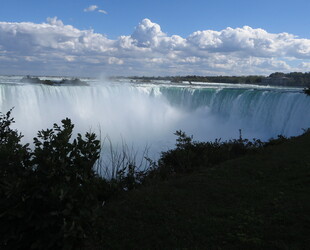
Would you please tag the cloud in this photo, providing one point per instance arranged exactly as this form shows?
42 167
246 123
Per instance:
91 8
147 34
55 48
305 66
114 60
103 11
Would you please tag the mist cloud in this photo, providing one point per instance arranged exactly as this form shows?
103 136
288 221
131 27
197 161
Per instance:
53 47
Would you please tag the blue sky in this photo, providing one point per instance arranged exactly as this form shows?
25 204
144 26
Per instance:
168 39
180 17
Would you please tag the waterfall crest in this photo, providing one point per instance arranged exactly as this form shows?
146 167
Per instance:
149 113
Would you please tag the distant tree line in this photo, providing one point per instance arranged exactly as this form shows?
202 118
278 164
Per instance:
278 78
195 78
293 78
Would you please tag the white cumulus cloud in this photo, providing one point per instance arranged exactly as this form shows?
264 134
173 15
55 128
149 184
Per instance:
53 47
147 34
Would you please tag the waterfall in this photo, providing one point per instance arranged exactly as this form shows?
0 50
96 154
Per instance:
149 114
260 113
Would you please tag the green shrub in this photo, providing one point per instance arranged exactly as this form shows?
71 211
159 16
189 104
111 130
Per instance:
190 155
276 141
49 196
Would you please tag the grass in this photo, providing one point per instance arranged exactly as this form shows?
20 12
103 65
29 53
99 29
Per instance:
260 201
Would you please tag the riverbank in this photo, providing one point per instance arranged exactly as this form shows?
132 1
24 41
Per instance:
260 201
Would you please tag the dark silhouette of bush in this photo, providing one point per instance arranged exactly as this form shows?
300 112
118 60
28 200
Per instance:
276 141
189 155
49 196
12 153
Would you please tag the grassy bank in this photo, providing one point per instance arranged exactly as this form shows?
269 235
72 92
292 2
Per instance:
260 201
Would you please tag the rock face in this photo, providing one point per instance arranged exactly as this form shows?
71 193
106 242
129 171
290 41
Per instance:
63 82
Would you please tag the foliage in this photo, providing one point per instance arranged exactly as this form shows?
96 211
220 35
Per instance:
190 155
194 78
12 153
49 195
277 78
294 78
276 141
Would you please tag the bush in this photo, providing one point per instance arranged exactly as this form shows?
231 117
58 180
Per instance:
50 195
190 155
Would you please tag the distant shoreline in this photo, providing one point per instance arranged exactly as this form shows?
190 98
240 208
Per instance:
294 79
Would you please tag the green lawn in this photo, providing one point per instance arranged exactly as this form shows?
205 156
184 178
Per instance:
260 201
